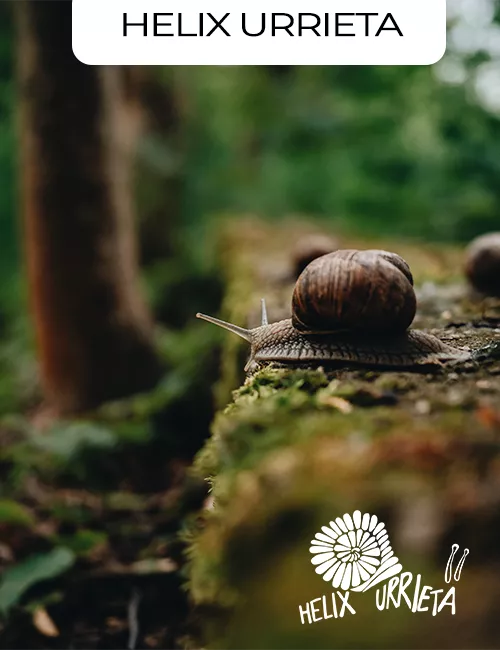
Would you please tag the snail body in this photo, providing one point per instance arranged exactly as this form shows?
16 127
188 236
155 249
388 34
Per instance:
282 344
348 308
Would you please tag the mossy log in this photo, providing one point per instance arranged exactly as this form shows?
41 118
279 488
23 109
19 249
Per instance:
295 449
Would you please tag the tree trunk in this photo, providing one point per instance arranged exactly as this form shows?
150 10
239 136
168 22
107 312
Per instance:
152 95
93 329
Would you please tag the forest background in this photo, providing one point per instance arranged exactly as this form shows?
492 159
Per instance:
410 152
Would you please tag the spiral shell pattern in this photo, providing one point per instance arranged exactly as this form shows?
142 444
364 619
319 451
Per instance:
355 290
354 552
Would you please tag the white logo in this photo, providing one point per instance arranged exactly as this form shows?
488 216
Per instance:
353 553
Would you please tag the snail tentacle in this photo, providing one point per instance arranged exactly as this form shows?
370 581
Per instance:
235 329
264 320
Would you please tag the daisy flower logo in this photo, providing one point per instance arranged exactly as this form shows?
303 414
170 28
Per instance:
354 553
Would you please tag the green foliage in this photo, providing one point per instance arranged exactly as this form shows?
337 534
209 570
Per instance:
19 386
68 441
383 149
18 579
83 542
162 422
8 234
15 513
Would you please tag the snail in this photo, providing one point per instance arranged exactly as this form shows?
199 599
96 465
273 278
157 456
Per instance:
349 307
482 265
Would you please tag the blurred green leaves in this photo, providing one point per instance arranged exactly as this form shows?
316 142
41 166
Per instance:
15 514
18 579
84 541
383 149
8 229
67 441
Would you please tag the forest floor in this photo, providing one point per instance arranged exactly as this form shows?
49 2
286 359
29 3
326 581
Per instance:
91 509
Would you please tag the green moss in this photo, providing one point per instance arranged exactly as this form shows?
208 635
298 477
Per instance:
295 448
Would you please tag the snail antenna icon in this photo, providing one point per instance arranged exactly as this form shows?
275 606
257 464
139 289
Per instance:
449 565
458 570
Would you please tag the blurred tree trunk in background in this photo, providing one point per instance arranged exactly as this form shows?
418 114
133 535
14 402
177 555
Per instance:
152 95
93 329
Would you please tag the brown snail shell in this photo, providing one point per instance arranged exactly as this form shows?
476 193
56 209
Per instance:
309 248
354 290
482 264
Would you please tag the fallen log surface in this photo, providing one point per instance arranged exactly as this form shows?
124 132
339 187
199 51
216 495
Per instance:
296 449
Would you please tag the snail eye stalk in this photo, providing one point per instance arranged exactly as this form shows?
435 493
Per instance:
264 320
240 331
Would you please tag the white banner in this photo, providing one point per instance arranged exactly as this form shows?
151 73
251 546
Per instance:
261 32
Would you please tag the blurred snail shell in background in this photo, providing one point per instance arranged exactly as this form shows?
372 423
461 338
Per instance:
482 264
309 248
353 290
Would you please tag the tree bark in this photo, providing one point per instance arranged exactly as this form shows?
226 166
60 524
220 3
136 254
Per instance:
93 329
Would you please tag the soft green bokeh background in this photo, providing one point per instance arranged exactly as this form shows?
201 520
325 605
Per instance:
411 151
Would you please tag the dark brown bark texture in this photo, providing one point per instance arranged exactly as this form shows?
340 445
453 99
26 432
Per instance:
93 329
